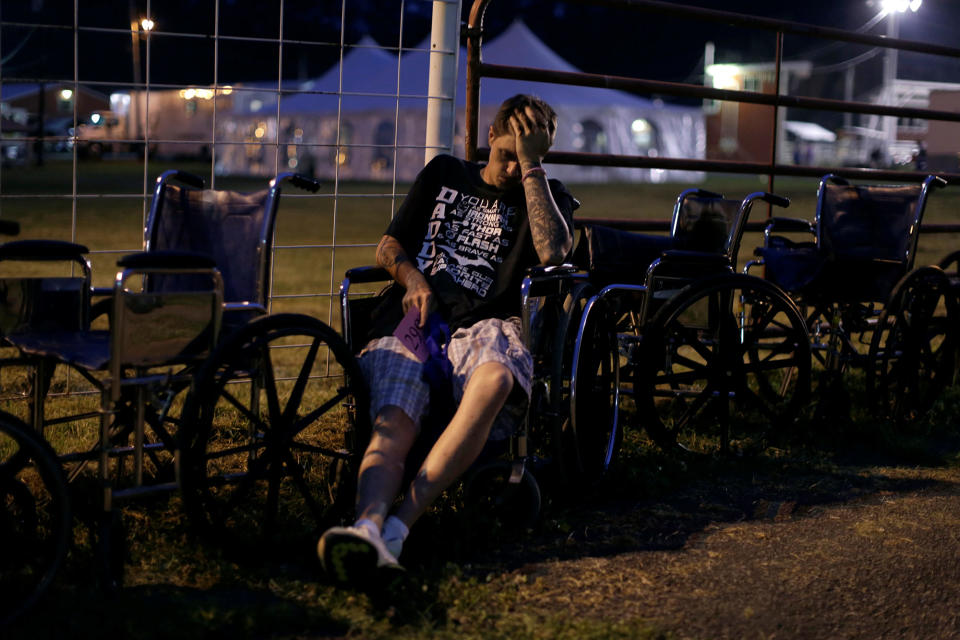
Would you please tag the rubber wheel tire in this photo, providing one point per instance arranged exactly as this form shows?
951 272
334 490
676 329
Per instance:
912 356
36 519
595 392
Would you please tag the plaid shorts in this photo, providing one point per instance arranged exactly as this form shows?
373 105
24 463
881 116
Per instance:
393 373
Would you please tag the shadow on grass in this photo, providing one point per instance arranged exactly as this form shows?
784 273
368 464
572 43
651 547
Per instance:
652 500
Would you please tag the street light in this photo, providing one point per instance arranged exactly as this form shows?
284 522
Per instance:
147 25
891 8
899 6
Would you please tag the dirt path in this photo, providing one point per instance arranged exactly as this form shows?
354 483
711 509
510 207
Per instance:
868 554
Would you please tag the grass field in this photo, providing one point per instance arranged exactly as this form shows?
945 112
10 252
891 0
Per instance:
320 236
466 581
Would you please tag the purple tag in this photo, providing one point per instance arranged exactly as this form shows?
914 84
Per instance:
411 335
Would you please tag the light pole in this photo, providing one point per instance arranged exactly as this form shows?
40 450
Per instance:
892 9
146 24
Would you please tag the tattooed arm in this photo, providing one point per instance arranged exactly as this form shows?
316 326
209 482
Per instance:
392 257
551 235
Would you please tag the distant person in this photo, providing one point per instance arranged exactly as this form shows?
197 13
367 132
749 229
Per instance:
920 157
876 158
459 246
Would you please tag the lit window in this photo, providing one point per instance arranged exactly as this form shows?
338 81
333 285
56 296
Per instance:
589 137
341 153
644 135
383 138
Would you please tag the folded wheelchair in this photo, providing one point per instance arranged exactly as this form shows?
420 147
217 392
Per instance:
852 272
712 359
199 387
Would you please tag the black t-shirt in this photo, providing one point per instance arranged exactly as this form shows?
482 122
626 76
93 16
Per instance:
470 240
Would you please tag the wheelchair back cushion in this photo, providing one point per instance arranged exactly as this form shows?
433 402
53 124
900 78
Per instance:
868 222
616 254
227 226
791 265
705 224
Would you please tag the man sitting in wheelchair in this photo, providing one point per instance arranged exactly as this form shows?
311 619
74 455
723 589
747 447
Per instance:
457 249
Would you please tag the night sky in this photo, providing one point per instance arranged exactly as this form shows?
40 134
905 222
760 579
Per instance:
596 39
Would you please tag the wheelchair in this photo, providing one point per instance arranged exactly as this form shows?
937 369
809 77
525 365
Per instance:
200 387
666 321
865 304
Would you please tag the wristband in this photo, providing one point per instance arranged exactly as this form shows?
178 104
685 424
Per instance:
533 171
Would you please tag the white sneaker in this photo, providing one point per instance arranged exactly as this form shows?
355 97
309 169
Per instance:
353 554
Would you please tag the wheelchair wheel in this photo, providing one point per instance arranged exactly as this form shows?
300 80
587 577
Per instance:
912 356
35 521
595 391
723 365
276 417
499 496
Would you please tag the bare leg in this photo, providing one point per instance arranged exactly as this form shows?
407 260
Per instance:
381 470
461 442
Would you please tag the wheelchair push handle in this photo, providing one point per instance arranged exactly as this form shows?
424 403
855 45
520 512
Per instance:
299 180
771 198
789 225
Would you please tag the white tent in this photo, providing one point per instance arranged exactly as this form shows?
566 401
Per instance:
379 88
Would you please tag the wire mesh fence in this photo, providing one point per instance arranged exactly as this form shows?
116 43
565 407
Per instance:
100 98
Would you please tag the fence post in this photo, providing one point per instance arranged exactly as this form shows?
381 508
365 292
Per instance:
442 87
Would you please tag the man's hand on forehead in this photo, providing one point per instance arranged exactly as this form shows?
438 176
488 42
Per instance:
532 135
532 117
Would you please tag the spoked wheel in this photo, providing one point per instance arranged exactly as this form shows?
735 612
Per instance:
35 520
723 365
913 351
595 390
277 417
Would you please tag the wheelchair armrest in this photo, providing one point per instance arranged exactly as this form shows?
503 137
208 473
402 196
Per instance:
42 250
788 225
300 181
166 260
369 273
551 271
543 281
